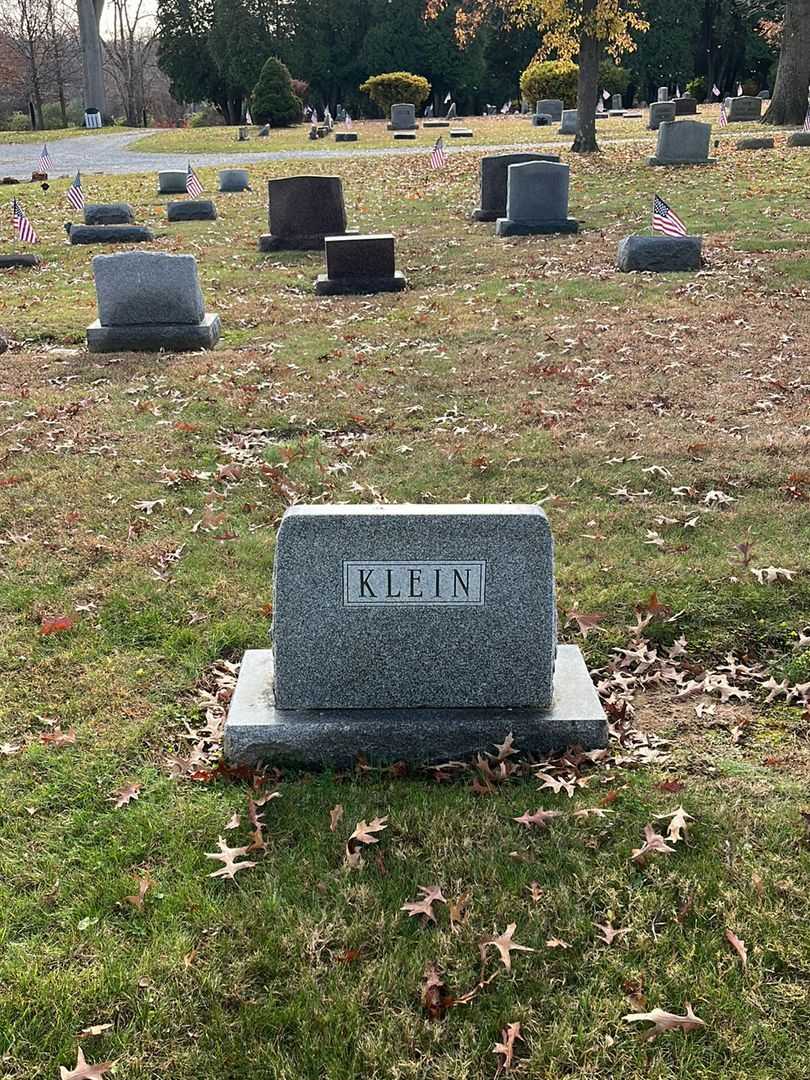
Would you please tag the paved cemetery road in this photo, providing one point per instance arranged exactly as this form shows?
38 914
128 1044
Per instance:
110 154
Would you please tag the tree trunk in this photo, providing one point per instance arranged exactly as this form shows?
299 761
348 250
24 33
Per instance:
590 53
789 101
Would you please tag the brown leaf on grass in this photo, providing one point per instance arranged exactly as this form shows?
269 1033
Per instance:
505 1049
83 1071
335 817
557 943
540 818
505 946
671 787
585 623
58 738
759 885
435 997
144 885
506 748
125 796
653 842
364 833
57 624
431 894
678 826
233 822
535 891
228 856
739 947
94 1029
609 932
457 910
665 1021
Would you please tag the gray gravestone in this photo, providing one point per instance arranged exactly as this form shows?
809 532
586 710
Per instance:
191 210
661 112
403 117
744 109
11 262
764 95
552 107
423 632
461 133
232 180
172 183
568 124
359 264
659 254
686 106
537 200
616 103
799 138
108 214
494 177
345 136
109 234
149 301
683 142
766 143
303 210
404 135
242 135
663 93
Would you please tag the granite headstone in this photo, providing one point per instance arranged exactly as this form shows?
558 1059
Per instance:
303 210
537 200
683 142
494 177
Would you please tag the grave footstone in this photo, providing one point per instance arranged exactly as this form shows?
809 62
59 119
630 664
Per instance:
435 123
404 136
109 234
304 210
12 262
234 180
403 117
686 106
552 107
461 133
148 301
494 176
661 112
191 210
799 138
242 134
418 632
359 264
744 109
541 120
172 182
568 124
108 214
345 136
755 144
659 254
683 142
537 200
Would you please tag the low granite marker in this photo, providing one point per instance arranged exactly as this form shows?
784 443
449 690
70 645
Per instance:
683 142
417 632
191 210
303 210
359 264
108 214
172 182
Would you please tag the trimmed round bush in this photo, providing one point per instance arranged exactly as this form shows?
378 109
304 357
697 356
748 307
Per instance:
395 87
273 100
550 79
697 89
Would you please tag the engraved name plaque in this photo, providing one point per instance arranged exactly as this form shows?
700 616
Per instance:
433 583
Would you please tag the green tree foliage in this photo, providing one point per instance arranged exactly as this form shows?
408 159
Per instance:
274 101
394 87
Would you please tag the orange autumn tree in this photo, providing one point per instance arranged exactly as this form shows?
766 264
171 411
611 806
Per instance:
569 29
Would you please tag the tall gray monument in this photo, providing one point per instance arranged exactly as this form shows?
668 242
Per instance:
92 60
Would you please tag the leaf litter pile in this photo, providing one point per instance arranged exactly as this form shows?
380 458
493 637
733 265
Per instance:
637 910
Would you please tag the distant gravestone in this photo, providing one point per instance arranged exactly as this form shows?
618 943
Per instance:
108 214
461 133
537 200
683 142
686 106
436 123
148 301
744 109
359 264
659 254
12 262
242 134
448 615
191 210
109 234
616 103
661 112
799 138
766 143
552 107
663 93
234 180
429 112
346 136
403 117
172 182
568 124
494 177
541 120
764 95
404 136
304 210
264 131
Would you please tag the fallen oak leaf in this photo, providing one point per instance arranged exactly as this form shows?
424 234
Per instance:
665 1021
585 623
94 1029
431 894
144 885
457 909
739 947
609 932
653 842
335 817
557 943
57 624
58 738
506 1047
435 998
540 818
228 856
125 796
505 946
364 833
83 1071
678 826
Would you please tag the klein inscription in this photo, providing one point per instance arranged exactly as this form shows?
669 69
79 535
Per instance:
441 584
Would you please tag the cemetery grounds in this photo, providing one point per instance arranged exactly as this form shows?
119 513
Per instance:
663 423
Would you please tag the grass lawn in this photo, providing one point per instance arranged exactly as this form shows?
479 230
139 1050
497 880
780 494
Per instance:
58 133
662 422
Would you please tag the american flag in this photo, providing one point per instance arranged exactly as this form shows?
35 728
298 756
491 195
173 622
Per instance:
449 97
739 89
75 195
723 117
348 121
665 220
22 226
806 124
438 158
605 95
716 90
677 91
193 185
44 164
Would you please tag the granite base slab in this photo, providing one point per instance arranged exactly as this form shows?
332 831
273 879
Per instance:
171 337
258 731
345 136
659 254
8 262
326 286
436 123
508 227
461 133
302 242
799 138
110 234
680 162
404 135
191 210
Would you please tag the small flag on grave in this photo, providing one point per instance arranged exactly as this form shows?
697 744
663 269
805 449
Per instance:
665 220
716 90
75 195
45 164
806 124
739 89
438 157
723 117
23 228
605 95
448 97
193 185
